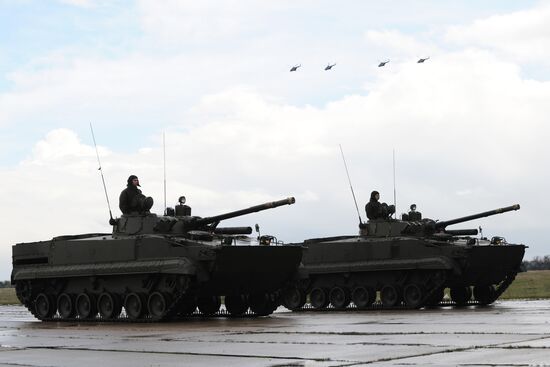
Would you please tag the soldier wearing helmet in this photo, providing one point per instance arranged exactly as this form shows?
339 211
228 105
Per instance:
413 214
377 210
131 199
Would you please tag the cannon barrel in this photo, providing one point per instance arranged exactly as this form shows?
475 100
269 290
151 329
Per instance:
462 232
238 213
445 223
233 230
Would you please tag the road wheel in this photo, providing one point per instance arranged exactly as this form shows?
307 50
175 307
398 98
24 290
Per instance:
390 296
262 304
108 305
436 298
319 298
484 294
413 295
157 305
294 298
44 306
339 297
236 304
363 297
85 306
209 305
461 295
65 306
134 306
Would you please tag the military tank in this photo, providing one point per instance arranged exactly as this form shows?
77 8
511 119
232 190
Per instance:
155 268
405 264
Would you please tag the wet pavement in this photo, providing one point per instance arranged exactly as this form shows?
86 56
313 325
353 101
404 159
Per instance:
508 333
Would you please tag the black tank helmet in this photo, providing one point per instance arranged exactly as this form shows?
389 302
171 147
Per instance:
130 179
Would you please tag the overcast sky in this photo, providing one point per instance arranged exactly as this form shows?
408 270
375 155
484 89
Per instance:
469 126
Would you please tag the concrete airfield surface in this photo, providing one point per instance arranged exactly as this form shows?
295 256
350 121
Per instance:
508 333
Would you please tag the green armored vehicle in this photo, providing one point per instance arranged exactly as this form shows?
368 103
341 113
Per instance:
406 263
155 268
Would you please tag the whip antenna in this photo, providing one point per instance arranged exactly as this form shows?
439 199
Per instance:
111 220
394 195
164 160
350 186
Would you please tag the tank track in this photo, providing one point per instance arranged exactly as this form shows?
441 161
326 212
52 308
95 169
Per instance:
378 305
222 313
43 302
171 315
178 303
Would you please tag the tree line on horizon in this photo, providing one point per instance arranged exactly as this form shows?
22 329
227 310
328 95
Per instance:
538 263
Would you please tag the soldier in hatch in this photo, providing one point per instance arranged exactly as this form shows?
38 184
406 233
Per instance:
131 199
377 210
413 214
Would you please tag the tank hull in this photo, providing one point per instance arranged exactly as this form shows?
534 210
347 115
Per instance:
394 272
249 269
148 278
489 264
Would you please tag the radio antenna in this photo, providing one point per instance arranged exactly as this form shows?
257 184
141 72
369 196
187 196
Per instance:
350 186
164 160
111 220
394 194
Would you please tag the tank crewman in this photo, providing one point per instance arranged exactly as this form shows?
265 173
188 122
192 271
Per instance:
377 210
131 197
413 214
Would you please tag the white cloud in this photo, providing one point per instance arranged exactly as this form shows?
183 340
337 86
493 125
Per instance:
522 35
134 87
179 22
400 45
59 144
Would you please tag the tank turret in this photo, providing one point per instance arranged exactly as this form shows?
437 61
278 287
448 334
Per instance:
182 223
425 227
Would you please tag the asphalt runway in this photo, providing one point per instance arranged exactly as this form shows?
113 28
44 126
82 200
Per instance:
508 333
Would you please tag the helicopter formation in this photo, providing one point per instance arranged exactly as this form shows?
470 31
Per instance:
381 64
